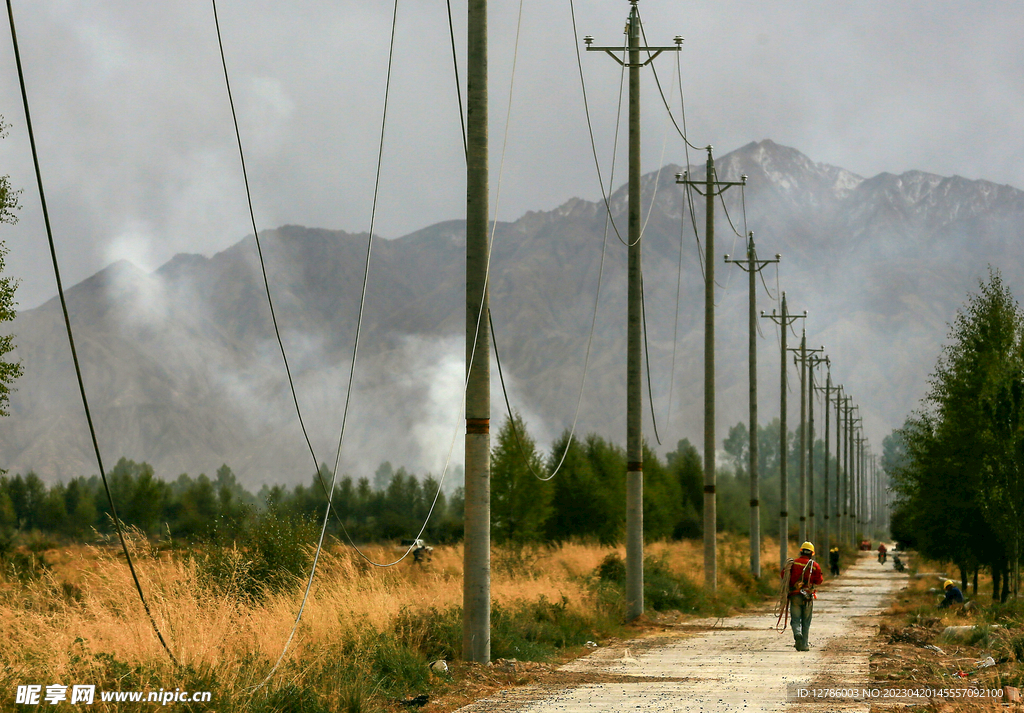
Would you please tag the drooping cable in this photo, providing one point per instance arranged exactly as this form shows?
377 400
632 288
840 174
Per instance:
675 322
686 148
259 245
721 199
766 288
657 81
647 358
657 178
458 84
71 340
487 272
355 351
583 383
266 284
590 126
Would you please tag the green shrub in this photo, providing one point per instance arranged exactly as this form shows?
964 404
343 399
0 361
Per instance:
612 569
272 551
435 634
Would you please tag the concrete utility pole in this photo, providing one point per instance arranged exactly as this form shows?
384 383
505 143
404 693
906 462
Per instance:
862 444
839 461
851 475
847 434
784 321
712 189
752 266
812 363
634 392
857 500
826 529
802 358
476 592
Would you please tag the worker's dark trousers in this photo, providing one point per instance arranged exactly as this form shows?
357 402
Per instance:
800 612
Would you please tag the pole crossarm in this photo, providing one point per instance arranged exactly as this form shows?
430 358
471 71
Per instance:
784 321
745 263
809 355
684 179
611 52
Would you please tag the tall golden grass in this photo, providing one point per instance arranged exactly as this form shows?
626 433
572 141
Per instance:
85 604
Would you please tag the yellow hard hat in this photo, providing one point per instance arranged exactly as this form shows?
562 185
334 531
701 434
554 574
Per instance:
809 546
948 583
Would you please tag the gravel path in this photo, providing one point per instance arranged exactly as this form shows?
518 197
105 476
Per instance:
741 664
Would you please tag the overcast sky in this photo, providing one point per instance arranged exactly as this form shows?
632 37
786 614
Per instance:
139 158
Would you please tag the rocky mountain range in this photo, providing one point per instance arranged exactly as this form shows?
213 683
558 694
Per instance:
183 369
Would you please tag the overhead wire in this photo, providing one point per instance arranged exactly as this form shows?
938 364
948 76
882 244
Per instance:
657 81
348 397
590 127
675 322
71 342
458 84
657 178
647 358
259 243
590 338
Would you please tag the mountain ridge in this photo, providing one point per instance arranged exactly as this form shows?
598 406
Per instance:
183 371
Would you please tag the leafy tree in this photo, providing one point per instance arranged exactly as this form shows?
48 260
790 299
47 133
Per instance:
520 502
686 465
956 467
9 370
579 508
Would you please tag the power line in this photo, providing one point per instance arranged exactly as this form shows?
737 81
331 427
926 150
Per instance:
682 132
71 339
590 126
259 245
458 85
675 323
323 486
647 358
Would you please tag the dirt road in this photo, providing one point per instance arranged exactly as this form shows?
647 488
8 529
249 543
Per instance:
736 664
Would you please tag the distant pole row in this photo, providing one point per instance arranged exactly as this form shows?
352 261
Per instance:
858 502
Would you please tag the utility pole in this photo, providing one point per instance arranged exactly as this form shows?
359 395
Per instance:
826 530
858 478
784 321
802 359
847 407
851 475
752 266
712 189
812 363
634 392
476 592
839 440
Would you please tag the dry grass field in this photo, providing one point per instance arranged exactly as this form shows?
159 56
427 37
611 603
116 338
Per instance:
73 617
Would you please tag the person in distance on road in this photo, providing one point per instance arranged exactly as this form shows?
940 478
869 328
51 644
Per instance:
833 561
953 595
881 553
804 576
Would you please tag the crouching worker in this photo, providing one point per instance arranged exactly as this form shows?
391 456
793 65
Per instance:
953 595
804 575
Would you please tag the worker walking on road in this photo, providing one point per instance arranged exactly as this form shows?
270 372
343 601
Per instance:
833 561
804 575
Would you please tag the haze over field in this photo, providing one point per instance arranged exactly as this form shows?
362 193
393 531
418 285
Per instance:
183 370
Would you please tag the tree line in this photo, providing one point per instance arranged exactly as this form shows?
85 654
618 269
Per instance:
585 499
957 462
